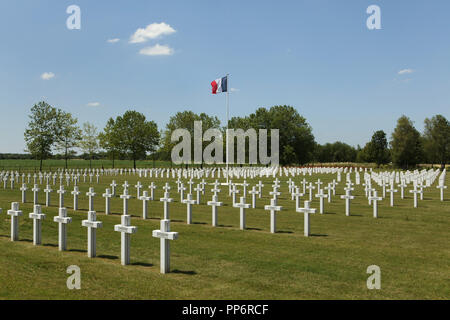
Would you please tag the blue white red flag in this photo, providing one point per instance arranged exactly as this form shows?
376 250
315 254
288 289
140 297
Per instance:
219 85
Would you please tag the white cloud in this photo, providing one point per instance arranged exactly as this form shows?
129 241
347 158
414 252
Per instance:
152 31
113 40
93 104
47 75
157 50
405 71
234 90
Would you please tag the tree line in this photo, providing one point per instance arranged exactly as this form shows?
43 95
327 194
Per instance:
53 132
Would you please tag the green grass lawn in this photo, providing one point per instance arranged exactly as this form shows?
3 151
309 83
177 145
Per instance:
411 246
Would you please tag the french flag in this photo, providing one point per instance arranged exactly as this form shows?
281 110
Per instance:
219 85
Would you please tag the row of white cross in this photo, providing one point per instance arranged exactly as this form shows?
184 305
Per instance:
189 201
125 228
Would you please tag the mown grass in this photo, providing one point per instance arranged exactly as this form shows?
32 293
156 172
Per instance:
411 246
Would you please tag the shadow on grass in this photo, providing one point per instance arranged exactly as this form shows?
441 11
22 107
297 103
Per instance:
199 223
318 235
191 273
283 231
50 245
78 250
142 264
256 229
224 226
105 256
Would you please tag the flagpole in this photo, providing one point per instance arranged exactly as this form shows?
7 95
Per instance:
228 119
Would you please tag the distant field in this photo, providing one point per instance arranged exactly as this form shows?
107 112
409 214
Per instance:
33 165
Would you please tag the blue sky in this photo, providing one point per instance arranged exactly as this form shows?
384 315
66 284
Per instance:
317 56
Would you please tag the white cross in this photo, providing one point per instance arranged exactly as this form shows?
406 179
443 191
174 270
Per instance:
319 184
375 200
125 196
310 189
391 190
297 196
203 183
62 219
420 186
189 202
166 201
245 185
369 193
126 230
306 211
15 213
242 206
348 196
273 208
107 197
442 187
333 183
215 190
24 195
402 186
92 224
35 194
259 185
152 187
166 187
253 192
198 189
234 191
190 183
145 199
328 188
37 217
61 193
91 194
76 192
304 183
113 186
214 204
415 192
383 185
321 196
138 187
165 235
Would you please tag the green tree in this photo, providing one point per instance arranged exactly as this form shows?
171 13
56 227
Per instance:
42 131
185 120
436 140
109 140
335 152
89 141
137 135
377 148
296 142
69 134
406 144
